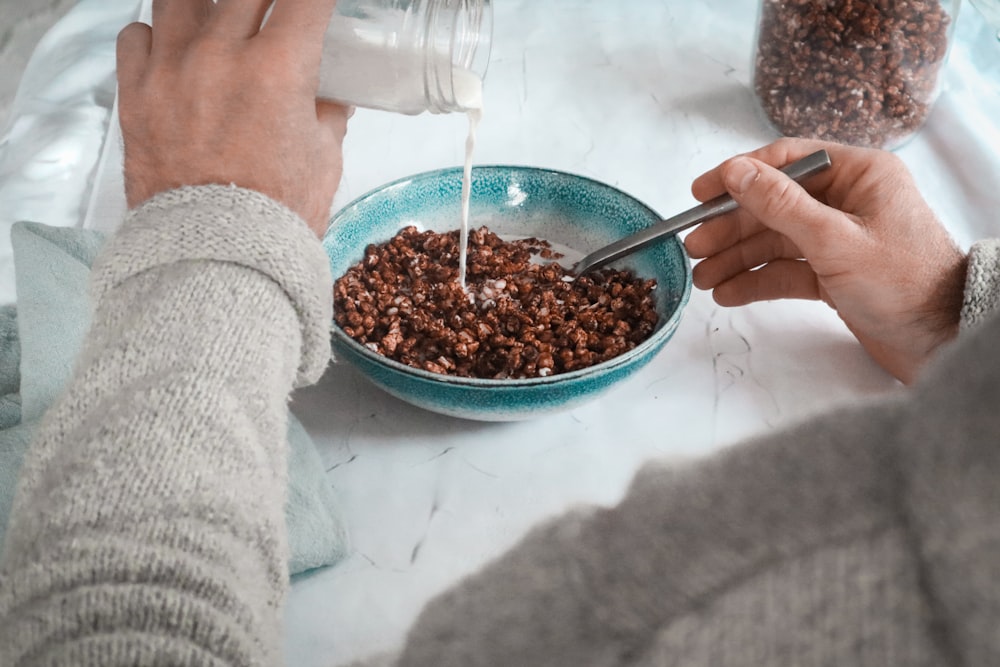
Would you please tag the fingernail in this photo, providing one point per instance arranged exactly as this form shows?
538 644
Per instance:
350 111
740 175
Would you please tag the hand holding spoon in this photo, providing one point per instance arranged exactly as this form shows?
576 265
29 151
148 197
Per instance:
798 170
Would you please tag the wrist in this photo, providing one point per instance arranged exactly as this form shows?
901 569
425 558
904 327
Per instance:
938 320
942 313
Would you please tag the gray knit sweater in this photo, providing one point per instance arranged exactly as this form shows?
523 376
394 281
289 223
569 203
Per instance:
869 536
147 528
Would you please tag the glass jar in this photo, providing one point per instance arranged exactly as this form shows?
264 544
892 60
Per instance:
861 72
407 56
990 9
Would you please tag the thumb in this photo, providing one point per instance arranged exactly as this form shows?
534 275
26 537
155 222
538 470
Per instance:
781 204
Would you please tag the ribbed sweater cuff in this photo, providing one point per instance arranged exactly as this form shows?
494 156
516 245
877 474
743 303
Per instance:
982 283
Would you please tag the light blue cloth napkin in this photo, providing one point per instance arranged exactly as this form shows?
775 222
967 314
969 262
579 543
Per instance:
39 341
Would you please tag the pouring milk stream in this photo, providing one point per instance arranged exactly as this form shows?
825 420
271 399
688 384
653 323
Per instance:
469 94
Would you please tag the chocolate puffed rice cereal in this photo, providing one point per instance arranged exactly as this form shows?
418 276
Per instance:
517 318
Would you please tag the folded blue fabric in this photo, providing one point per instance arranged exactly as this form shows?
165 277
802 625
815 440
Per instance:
39 341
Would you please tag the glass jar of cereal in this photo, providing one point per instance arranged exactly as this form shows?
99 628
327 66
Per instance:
861 72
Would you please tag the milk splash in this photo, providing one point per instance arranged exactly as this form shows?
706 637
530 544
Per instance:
469 95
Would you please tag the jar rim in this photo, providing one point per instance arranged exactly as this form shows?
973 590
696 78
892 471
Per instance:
461 30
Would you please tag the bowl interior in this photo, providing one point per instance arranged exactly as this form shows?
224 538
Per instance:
574 213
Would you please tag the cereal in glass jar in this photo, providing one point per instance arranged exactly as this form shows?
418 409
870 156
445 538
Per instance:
860 72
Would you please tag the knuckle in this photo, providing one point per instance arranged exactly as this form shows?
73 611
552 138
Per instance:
891 161
131 46
780 195
208 48
788 145
132 32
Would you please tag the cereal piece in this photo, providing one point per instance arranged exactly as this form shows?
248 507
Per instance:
518 319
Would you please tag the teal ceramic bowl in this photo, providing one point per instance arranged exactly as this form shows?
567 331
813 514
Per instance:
565 209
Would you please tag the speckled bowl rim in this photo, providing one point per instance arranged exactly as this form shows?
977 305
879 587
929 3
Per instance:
663 332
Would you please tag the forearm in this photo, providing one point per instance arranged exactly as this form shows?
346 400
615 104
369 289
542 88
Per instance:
597 588
148 526
866 536
861 537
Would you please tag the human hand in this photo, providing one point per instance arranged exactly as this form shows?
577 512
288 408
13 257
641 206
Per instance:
207 96
872 248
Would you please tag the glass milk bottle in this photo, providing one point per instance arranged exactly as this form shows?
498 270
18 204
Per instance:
407 56
862 72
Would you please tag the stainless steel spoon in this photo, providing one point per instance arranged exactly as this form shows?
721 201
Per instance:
798 170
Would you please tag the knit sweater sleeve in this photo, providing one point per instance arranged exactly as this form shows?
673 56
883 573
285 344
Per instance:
867 536
711 559
982 283
148 522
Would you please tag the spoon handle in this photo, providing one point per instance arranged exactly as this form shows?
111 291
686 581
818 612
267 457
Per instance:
798 170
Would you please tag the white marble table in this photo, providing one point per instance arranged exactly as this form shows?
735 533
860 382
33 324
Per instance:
644 95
